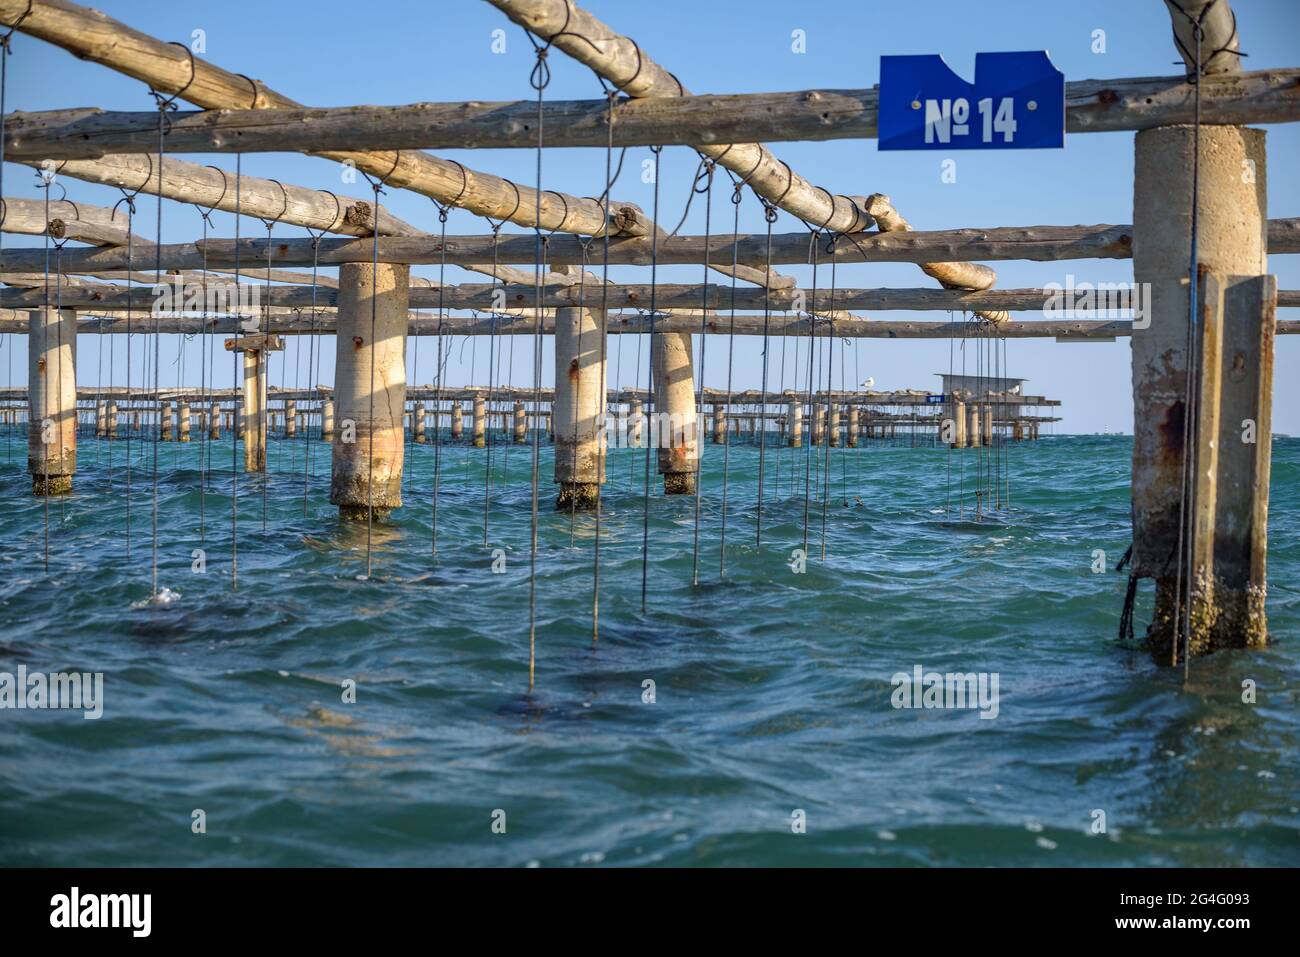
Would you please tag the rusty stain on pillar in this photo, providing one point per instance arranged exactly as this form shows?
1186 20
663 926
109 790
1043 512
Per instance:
370 353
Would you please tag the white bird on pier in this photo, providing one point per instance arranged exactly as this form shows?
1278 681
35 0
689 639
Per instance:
1014 390
868 382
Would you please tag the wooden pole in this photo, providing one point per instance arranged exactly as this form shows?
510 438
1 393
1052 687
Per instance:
1032 243
1092 106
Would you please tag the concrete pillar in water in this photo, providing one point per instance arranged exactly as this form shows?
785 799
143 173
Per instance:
101 419
421 418
52 400
677 433
253 420
577 414
719 424
794 424
835 427
327 420
521 423
854 426
290 419
167 416
635 423
479 434
214 421
112 420
457 420
370 388
183 417
819 425
959 438
973 437
1224 561
986 430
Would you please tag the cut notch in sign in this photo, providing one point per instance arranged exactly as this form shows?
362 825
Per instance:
1016 102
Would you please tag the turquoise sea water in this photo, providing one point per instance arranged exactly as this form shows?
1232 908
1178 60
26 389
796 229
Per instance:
772 689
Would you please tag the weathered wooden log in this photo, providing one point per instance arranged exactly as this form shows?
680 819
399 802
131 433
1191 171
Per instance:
1054 303
1219 41
950 275
639 324
1032 243
1264 96
628 67
94 36
213 188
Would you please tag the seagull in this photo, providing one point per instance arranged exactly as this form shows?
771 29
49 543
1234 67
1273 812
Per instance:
868 382
1014 390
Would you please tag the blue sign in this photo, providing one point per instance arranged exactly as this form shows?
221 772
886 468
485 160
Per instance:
936 399
1017 102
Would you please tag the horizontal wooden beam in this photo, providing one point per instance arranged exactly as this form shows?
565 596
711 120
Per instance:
636 324
633 324
1092 106
487 297
1032 243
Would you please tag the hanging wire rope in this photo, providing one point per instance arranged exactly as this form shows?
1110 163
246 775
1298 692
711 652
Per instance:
811 313
264 361
240 404
705 175
770 216
539 79
611 96
5 51
656 435
1186 572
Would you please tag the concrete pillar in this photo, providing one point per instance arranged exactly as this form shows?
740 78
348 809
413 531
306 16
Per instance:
973 438
254 411
636 423
421 418
479 435
290 419
327 420
577 414
214 421
958 412
366 472
835 427
112 420
183 421
52 400
521 424
719 424
677 432
1233 375
457 420
986 430
794 424
819 425
854 425
101 419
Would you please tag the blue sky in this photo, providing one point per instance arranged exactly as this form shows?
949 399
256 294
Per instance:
332 53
